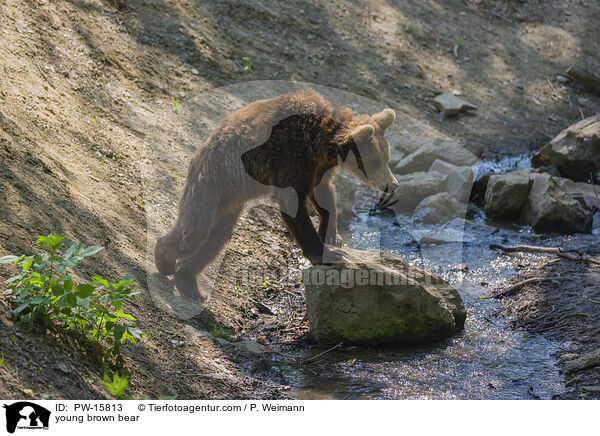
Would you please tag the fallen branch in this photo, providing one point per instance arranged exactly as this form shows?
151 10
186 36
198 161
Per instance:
513 289
567 254
304 362
586 78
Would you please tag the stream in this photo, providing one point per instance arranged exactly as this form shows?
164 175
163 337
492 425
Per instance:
489 359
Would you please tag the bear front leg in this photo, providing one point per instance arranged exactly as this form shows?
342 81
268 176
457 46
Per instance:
323 198
305 234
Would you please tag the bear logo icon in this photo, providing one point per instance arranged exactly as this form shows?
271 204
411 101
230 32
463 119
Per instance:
26 415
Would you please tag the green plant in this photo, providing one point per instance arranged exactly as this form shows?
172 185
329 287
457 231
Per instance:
175 104
117 385
176 177
222 333
45 294
2 360
247 64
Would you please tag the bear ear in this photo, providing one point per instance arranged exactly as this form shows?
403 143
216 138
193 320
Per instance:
362 133
385 118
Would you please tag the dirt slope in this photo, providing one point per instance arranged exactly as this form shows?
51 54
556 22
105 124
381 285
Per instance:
86 91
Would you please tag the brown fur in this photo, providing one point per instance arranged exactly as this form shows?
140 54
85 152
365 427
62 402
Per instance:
287 147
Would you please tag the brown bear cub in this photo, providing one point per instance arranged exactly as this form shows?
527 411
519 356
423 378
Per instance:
287 148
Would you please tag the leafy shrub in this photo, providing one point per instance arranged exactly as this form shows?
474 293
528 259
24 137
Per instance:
43 292
117 385
222 333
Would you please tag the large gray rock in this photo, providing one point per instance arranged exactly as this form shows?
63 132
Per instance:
437 148
375 297
506 195
590 193
555 205
451 105
575 151
439 208
415 187
460 178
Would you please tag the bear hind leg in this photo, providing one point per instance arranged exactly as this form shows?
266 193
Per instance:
189 267
166 252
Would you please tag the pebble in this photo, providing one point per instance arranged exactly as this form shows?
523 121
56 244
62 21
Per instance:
461 267
63 368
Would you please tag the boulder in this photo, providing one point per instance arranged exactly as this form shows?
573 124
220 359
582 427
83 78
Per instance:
590 193
575 151
375 297
506 195
443 149
415 187
460 179
451 105
439 208
555 205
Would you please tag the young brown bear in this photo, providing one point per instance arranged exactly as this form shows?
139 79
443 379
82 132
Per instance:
288 148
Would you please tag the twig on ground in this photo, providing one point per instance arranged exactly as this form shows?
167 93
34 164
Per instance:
293 294
567 254
513 289
304 362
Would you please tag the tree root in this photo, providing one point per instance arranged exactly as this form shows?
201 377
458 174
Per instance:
561 252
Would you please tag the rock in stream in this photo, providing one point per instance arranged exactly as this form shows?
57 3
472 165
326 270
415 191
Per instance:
375 297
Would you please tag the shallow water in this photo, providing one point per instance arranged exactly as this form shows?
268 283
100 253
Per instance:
488 360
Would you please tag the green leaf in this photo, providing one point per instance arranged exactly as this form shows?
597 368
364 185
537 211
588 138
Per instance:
52 241
124 315
89 251
21 308
66 311
13 278
70 299
100 281
72 249
84 290
9 259
117 386
83 302
68 284
40 301
26 265
118 331
58 290
131 292
134 331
